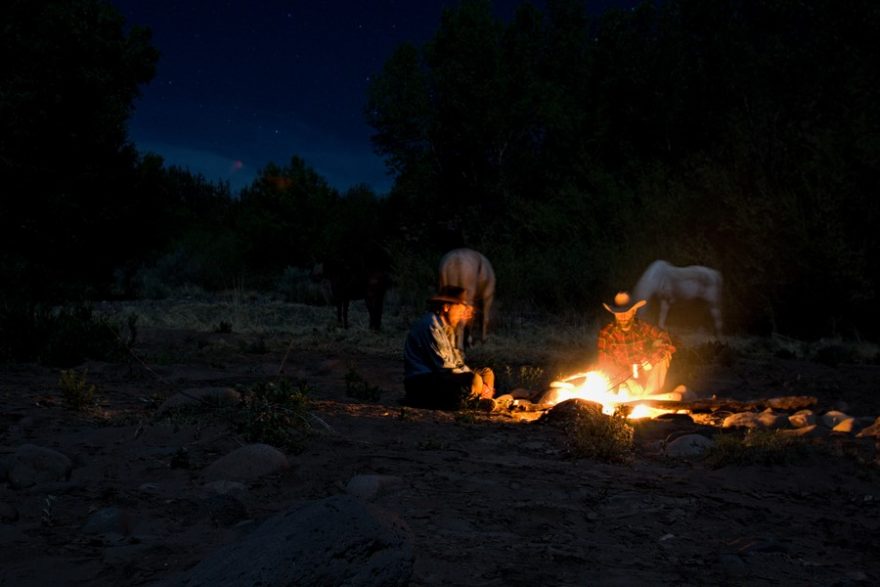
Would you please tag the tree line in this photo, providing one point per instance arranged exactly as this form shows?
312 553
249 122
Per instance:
571 150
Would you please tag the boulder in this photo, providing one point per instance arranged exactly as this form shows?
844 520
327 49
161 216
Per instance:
246 463
32 465
689 445
338 540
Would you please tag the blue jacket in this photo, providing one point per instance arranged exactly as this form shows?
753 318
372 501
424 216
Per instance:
430 348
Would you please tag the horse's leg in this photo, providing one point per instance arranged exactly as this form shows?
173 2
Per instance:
487 305
715 311
664 310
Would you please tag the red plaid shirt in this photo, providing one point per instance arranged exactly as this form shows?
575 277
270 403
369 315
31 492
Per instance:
642 342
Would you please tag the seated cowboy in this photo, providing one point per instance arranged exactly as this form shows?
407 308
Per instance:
435 373
634 352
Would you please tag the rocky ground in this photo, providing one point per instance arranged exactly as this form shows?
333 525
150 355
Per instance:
136 492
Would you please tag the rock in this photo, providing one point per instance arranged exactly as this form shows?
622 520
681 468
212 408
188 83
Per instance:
772 420
209 396
248 462
872 430
802 418
845 426
833 418
742 420
369 486
223 487
571 411
811 431
689 445
31 465
339 540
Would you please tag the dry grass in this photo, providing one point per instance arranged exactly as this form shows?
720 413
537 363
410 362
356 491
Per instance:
557 344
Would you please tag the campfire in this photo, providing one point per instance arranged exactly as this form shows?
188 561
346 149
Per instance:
595 386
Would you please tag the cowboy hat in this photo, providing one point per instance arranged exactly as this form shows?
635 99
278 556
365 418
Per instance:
623 304
450 294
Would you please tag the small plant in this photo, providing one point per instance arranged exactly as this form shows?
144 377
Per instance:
524 376
756 447
358 387
600 437
47 513
274 412
77 392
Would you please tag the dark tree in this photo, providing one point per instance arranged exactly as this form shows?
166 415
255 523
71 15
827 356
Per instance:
68 83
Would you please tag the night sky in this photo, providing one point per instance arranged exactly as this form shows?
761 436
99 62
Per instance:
240 84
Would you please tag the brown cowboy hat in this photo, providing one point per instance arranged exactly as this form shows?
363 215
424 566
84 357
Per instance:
450 294
623 303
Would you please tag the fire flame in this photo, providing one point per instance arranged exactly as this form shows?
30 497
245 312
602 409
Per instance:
596 387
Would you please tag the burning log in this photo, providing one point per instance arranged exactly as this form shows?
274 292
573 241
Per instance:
790 403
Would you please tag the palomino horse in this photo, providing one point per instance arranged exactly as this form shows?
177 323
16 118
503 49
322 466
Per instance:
670 284
471 270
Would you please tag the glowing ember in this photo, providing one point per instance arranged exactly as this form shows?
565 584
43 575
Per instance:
594 386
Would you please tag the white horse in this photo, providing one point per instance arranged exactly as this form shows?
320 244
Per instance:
670 284
471 270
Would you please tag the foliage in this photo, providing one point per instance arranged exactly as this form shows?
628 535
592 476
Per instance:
298 285
600 437
64 160
572 150
525 376
274 412
756 447
359 388
576 152
62 336
77 392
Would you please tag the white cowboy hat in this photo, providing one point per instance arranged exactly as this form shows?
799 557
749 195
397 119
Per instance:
623 304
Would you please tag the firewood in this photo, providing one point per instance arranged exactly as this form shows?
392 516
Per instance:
790 403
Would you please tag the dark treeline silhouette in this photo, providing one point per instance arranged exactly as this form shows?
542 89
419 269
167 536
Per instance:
572 151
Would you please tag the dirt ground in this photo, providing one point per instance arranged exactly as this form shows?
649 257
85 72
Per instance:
490 499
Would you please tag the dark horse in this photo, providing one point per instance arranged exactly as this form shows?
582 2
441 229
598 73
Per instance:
355 281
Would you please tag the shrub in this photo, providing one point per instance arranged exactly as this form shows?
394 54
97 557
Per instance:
524 376
76 391
756 447
601 437
61 337
357 387
274 412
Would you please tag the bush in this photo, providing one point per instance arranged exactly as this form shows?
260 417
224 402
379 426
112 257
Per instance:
61 337
76 391
297 285
757 447
357 387
274 413
601 437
